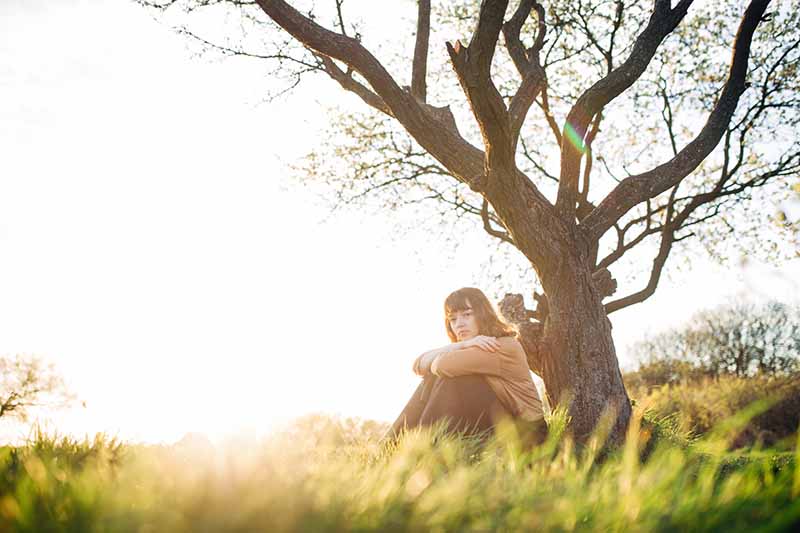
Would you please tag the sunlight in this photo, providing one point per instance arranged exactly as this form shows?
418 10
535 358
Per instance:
154 255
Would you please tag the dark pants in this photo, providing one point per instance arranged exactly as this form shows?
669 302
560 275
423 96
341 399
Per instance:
466 403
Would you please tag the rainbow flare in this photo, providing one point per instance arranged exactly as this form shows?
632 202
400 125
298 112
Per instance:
576 139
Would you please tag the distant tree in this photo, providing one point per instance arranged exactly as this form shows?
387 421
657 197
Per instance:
788 215
741 339
647 126
656 369
27 382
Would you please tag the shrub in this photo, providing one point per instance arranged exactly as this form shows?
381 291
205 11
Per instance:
697 406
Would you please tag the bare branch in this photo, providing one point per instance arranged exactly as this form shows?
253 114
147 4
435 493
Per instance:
667 236
636 189
623 247
526 152
442 142
551 121
666 114
527 62
420 64
521 57
681 220
472 65
340 17
583 197
662 22
487 225
228 51
345 79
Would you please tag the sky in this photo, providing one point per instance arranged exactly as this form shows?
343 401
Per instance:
153 248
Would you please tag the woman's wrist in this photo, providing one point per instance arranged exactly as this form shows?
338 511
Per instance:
424 362
453 346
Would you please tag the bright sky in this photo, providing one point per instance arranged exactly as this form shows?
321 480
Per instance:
152 249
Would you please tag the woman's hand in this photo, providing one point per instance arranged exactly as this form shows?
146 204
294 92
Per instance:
489 344
422 364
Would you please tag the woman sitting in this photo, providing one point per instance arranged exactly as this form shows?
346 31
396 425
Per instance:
479 378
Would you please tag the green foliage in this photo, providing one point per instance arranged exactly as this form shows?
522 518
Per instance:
310 479
741 339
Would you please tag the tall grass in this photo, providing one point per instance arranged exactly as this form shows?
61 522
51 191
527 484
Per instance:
696 407
324 480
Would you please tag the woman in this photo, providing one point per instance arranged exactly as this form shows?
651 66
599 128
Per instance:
479 378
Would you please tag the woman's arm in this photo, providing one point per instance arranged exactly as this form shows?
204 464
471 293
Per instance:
423 363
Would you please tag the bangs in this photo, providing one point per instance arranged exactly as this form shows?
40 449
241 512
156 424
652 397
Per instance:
489 321
457 301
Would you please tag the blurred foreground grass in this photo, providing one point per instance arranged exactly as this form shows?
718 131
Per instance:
333 476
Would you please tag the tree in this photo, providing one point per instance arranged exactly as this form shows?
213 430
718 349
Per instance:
742 339
27 382
552 189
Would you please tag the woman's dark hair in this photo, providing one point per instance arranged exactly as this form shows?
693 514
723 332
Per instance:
490 322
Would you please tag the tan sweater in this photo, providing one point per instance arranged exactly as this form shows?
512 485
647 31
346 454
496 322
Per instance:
506 371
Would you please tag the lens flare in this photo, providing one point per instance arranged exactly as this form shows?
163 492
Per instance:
574 137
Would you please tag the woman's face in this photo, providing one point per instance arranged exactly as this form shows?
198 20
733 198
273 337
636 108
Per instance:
463 323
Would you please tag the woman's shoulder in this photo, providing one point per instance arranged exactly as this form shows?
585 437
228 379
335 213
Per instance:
515 360
510 343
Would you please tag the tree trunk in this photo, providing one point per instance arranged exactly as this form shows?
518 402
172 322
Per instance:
573 349
579 361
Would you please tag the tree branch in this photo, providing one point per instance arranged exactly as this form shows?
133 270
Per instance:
583 208
340 17
681 220
623 247
487 225
420 64
430 131
667 236
527 154
662 22
472 65
516 200
345 79
636 189
551 121
527 63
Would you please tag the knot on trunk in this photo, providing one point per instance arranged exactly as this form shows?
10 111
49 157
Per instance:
604 283
512 307
530 323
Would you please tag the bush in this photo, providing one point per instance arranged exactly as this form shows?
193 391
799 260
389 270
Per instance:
698 406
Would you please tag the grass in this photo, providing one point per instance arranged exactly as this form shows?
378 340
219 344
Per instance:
336 476
696 407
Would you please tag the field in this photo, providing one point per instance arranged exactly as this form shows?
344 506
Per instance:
326 474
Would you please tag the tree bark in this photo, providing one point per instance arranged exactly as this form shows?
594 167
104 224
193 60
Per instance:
572 348
579 360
